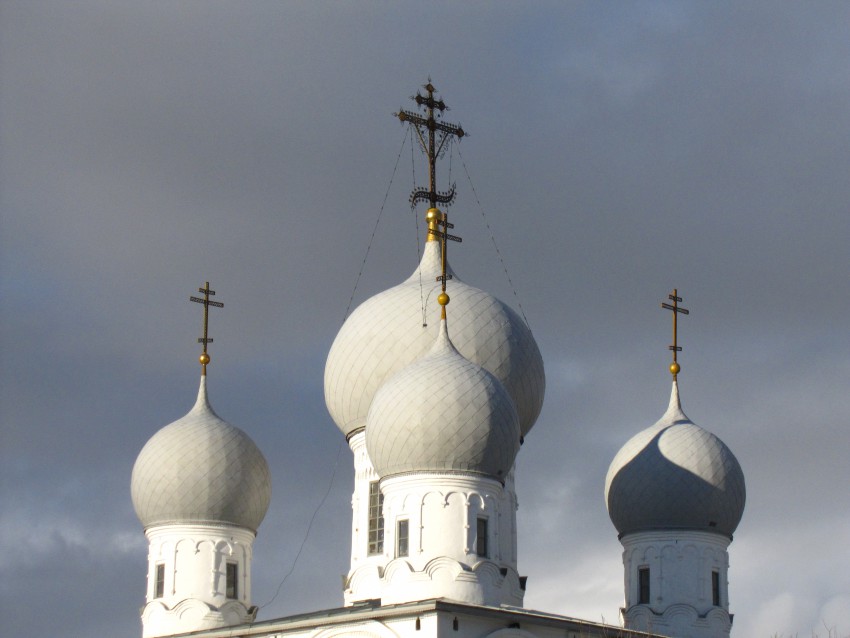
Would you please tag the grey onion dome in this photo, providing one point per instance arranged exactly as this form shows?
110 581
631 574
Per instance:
201 469
443 413
675 475
386 333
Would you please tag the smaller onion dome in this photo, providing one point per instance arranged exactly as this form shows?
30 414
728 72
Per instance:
675 475
201 469
443 413
386 333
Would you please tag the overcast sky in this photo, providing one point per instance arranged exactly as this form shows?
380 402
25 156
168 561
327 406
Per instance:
617 151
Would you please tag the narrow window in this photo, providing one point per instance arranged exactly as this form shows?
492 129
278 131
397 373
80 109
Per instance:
643 586
159 581
402 536
376 519
481 537
232 591
715 589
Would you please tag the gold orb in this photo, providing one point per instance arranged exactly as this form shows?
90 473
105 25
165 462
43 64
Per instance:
204 359
674 368
433 214
443 299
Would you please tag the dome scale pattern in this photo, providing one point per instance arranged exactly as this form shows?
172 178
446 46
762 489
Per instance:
443 413
386 333
201 469
675 475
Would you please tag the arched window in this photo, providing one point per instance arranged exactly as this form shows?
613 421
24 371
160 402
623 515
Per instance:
376 519
643 586
232 587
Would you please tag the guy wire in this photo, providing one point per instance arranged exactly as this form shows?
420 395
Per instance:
375 229
493 238
309 528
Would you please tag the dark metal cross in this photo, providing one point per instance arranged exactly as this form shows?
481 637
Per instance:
438 133
205 358
444 238
674 367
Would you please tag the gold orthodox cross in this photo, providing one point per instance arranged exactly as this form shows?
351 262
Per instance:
444 237
437 133
674 367
205 358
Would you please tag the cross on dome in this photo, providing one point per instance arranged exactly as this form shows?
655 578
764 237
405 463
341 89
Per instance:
676 310
205 358
444 237
432 135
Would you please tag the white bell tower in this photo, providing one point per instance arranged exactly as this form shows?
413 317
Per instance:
676 494
201 488
443 434
393 329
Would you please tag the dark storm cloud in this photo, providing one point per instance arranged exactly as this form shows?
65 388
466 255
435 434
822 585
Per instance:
617 151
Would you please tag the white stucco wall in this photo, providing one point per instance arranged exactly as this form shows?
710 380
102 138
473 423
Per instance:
680 565
195 561
442 512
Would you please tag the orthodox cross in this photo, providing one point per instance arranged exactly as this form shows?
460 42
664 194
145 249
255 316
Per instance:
444 237
674 367
205 358
438 133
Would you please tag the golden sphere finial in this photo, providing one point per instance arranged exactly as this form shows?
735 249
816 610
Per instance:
204 359
443 299
674 368
433 214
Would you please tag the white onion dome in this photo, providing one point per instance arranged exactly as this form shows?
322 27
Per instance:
386 333
443 413
675 475
201 469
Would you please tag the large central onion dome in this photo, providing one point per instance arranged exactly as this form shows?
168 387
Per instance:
675 475
201 469
386 333
443 413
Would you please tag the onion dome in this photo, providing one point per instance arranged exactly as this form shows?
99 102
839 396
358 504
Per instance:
675 475
201 469
386 333
443 413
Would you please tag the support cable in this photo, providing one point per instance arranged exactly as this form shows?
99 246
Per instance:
493 238
375 229
341 445
416 217
309 528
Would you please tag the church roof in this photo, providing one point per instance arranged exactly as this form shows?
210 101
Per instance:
388 332
201 469
472 620
443 413
675 475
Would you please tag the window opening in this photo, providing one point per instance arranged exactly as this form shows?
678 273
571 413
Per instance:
159 581
232 591
481 538
403 537
376 519
715 588
643 586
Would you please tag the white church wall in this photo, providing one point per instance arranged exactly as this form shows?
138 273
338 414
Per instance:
681 597
364 574
442 512
187 585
